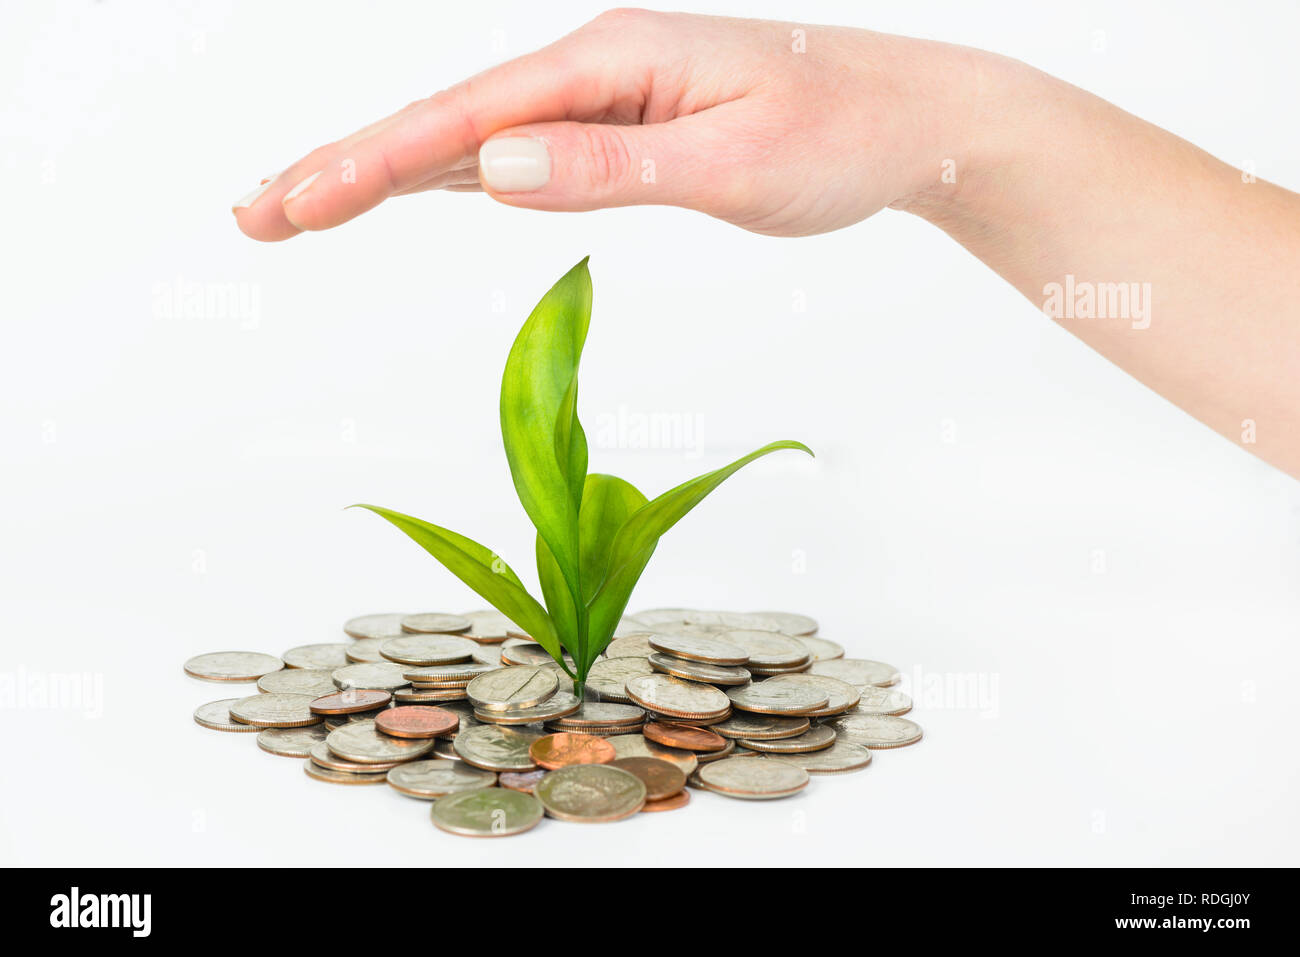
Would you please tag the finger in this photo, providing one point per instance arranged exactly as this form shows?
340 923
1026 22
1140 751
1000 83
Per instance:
582 166
443 133
259 214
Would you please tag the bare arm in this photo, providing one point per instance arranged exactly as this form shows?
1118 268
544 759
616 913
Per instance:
1163 259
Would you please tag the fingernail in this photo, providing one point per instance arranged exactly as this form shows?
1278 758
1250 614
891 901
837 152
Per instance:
251 198
514 164
302 186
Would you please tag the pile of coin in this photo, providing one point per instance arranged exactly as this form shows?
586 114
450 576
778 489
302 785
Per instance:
467 712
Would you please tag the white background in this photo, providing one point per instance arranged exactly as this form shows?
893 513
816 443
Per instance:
990 498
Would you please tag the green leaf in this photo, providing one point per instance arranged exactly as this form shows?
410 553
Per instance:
482 570
545 444
607 503
636 540
558 598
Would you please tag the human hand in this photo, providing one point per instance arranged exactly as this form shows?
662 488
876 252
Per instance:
779 129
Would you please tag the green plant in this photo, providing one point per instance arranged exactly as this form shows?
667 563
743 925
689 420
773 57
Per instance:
595 533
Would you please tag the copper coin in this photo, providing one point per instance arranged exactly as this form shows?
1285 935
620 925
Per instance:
567 748
521 780
662 779
416 721
670 803
349 701
684 736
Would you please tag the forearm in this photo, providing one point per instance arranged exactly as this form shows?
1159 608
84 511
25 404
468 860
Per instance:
1165 260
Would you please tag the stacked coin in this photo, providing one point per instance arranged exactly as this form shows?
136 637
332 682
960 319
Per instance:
468 712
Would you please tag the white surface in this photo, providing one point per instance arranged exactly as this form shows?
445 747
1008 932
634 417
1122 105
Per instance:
174 486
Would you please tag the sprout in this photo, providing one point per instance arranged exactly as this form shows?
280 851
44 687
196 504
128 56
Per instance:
595 533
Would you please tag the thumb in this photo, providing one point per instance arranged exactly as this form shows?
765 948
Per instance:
581 166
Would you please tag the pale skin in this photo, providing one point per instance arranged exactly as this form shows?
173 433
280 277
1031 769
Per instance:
791 135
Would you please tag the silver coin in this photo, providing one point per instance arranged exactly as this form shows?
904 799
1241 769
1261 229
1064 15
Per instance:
291 742
436 696
322 755
462 672
760 671
495 748
487 812
557 706
761 726
654 617
590 793
710 650
366 650
704 757
820 648
639 746
297 681
488 625
512 689
362 743
815 738
600 714
488 655
374 626
371 676
840 757
320 657
608 677
768 649
781 698
753 778
529 653
843 696
314 770
632 646
445 748
232 666
675 697
463 710
858 671
882 701
787 622
698 670
428 649
435 622
876 731
333 721
216 715
438 777
275 710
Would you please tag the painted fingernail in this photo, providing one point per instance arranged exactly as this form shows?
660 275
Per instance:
514 164
303 186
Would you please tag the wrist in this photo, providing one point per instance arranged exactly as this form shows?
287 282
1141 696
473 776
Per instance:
975 132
